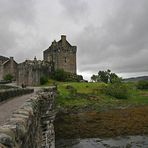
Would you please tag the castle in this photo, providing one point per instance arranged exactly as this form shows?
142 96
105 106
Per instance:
60 55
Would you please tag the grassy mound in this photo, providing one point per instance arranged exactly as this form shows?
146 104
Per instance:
90 96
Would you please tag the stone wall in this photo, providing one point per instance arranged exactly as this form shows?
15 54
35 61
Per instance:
30 72
31 126
7 93
8 66
1 72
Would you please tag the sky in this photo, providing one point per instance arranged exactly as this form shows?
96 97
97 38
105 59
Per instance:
109 34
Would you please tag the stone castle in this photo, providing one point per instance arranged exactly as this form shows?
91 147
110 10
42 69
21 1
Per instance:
60 55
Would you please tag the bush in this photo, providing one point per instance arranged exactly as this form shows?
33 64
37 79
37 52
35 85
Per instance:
142 85
8 77
61 75
43 80
117 90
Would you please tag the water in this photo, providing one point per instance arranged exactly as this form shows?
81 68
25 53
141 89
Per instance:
118 142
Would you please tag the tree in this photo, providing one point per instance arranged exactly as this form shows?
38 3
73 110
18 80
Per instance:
94 78
103 76
107 76
114 78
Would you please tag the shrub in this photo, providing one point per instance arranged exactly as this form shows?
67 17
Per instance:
142 85
43 80
8 77
117 90
61 75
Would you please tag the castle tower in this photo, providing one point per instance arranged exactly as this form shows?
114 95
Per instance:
62 55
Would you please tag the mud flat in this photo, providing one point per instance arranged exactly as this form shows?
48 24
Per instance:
103 129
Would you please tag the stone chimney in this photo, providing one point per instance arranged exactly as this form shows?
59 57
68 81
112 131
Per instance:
63 38
11 58
35 59
54 43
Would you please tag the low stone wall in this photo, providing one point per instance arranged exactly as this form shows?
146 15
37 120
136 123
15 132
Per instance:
5 82
3 86
13 92
31 126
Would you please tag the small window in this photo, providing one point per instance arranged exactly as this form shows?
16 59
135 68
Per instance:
65 59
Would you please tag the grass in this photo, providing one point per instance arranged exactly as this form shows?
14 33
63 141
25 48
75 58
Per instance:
89 96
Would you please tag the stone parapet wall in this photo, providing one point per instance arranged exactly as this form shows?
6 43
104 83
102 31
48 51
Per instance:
2 86
31 126
13 92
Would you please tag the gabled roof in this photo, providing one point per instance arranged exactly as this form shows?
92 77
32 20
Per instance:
59 44
3 59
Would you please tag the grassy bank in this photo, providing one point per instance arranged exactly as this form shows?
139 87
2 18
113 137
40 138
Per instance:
89 96
85 111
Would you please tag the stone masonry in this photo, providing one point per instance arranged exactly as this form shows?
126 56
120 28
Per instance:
8 66
62 55
31 126
30 72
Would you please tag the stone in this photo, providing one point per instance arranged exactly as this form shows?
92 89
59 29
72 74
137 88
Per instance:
6 140
31 125
62 55
8 66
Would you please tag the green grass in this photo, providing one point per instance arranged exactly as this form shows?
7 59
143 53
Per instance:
90 96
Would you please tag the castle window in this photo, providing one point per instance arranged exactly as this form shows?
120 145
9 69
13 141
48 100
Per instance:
65 59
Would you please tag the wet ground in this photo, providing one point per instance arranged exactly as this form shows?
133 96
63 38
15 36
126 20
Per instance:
112 127
118 142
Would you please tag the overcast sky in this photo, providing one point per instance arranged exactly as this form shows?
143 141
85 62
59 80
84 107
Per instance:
109 34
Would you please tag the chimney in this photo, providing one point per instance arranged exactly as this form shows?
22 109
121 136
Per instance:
11 58
63 38
54 43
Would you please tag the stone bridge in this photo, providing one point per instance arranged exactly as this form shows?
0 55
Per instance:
31 126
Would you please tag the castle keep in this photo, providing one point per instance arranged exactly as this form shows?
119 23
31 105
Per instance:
62 55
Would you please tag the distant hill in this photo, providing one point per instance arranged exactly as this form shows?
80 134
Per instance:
135 79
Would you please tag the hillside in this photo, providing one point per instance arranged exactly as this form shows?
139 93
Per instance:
135 79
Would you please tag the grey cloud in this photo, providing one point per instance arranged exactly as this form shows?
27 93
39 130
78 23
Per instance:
76 10
119 42
14 14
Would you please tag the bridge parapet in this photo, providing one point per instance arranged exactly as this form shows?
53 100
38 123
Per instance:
31 126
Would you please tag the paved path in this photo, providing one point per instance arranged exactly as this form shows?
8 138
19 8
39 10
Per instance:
8 107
